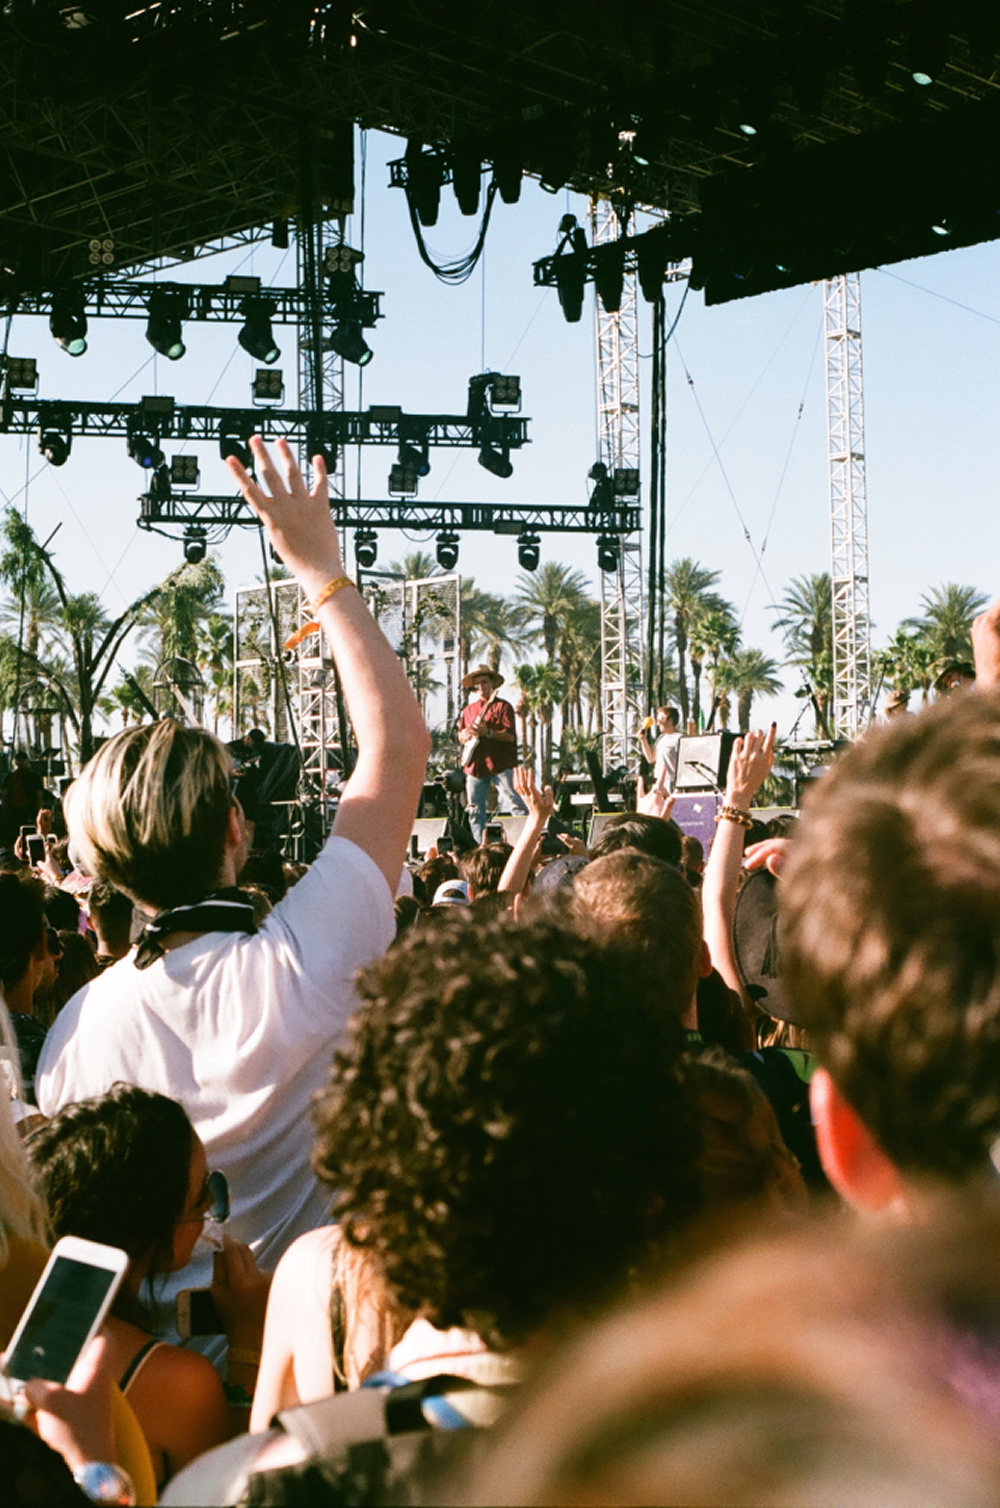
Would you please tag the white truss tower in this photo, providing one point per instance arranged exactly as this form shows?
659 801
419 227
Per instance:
852 676
317 703
618 446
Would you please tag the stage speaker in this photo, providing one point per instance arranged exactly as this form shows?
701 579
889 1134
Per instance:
427 830
702 761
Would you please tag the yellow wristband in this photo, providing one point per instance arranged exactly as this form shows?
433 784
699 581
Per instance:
330 590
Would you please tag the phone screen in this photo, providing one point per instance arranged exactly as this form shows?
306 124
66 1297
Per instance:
205 1317
60 1321
36 848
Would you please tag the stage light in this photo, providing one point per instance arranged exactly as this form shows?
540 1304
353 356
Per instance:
318 443
22 372
366 548
423 182
268 386
415 458
570 268
626 481
496 460
68 321
447 551
256 336
504 392
347 340
229 445
195 544
528 551
184 471
144 451
508 165
466 176
609 274
55 446
402 481
608 552
159 489
163 328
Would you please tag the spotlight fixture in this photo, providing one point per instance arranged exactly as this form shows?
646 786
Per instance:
570 267
229 445
342 258
347 340
366 548
68 321
21 373
508 165
609 274
184 471
268 386
496 460
608 552
54 445
160 490
625 481
424 176
318 443
447 550
528 551
195 544
415 458
504 392
402 481
466 175
163 328
144 451
256 335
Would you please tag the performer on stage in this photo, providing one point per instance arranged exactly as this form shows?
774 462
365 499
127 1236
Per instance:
488 735
663 755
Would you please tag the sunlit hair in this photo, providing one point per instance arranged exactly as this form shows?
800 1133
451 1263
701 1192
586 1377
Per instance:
149 812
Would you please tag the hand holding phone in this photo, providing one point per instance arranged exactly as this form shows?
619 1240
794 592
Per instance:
66 1310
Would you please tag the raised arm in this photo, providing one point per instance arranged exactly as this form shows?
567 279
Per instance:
749 765
541 804
380 799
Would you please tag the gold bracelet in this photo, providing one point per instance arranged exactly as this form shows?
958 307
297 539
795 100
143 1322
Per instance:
330 590
246 1358
734 814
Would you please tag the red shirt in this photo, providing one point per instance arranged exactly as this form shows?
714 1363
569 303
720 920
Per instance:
493 754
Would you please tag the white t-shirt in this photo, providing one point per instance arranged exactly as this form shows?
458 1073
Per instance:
240 1030
667 750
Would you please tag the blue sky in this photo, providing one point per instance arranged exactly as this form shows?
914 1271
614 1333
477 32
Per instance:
757 368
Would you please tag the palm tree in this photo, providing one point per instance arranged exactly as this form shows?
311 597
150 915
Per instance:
215 654
173 619
714 632
946 621
549 597
805 619
748 673
416 566
685 586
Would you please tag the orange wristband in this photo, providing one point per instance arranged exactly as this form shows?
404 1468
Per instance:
330 590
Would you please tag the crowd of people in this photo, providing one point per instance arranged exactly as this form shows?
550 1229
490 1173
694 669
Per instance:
534 1174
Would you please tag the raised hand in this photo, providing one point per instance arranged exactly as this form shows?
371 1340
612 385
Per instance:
750 763
297 518
540 803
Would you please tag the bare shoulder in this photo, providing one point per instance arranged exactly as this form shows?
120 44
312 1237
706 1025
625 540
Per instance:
314 1250
179 1400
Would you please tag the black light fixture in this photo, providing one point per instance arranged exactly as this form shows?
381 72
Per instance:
184 471
466 175
416 458
68 321
256 335
402 481
608 552
424 176
496 460
55 445
609 274
626 481
927 42
528 551
144 451
447 550
570 267
347 340
268 386
508 163
229 445
163 327
504 391
319 443
366 548
21 373
195 544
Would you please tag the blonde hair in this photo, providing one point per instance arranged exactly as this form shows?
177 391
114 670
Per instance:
149 812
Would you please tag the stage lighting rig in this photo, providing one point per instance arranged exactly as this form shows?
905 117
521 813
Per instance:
268 387
347 341
403 481
144 450
609 552
366 548
184 471
167 311
231 445
528 551
68 321
256 336
447 550
569 264
195 544
55 440
496 461
21 374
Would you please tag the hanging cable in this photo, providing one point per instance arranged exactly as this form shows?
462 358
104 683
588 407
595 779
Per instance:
462 268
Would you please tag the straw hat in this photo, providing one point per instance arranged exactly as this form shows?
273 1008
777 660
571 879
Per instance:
473 677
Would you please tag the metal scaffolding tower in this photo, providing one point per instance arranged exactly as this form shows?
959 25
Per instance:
618 446
852 676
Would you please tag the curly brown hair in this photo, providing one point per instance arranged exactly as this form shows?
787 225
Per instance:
505 1130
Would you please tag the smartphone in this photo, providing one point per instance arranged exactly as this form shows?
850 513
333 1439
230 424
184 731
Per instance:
66 1310
445 845
494 833
197 1314
26 831
36 848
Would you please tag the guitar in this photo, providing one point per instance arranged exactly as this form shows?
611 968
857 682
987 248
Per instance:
471 747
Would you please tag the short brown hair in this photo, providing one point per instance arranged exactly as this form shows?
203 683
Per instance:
891 934
635 899
483 867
